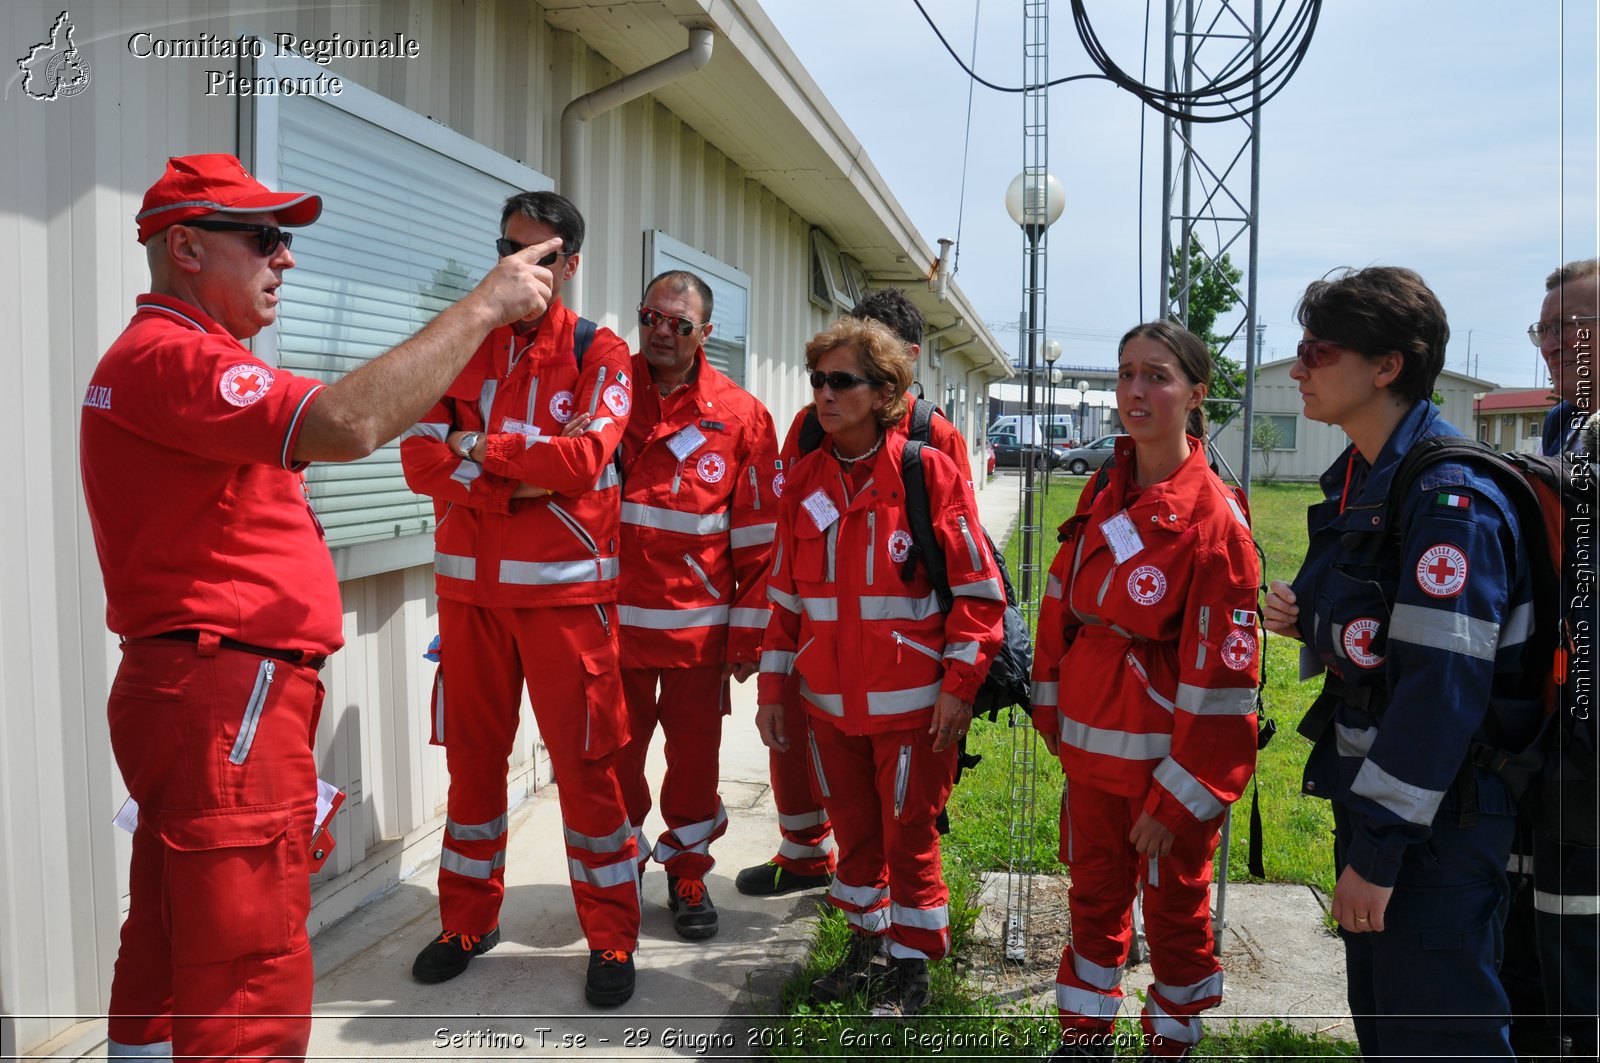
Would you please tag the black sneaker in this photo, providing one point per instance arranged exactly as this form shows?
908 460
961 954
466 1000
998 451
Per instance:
448 954
696 915
768 879
851 973
905 992
610 980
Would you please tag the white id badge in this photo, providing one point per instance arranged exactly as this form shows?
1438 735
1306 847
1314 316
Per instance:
1122 536
686 442
527 431
821 509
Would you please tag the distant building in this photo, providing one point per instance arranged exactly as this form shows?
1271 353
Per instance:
1511 420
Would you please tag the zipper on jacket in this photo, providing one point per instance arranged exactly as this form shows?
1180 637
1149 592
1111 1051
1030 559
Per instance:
755 488
600 611
816 763
1205 629
705 581
831 541
972 544
677 476
252 712
872 542
577 529
901 641
902 778
533 396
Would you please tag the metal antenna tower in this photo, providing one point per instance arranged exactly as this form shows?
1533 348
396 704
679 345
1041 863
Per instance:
1036 226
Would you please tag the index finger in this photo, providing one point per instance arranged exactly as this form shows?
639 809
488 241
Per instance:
534 252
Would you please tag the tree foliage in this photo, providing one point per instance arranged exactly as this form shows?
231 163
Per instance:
1265 437
1213 291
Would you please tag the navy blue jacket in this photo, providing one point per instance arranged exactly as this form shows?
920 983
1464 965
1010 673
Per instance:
1557 426
1437 626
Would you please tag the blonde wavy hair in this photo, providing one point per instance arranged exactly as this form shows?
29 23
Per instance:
883 360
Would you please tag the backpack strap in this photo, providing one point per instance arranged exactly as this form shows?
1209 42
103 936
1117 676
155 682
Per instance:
810 431
924 545
582 336
922 412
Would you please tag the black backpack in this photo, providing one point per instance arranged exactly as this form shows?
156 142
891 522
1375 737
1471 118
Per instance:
1010 678
1555 773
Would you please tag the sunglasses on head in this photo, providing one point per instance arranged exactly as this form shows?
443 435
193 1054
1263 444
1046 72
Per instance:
839 381
268 237
1314 354
510 247
680 326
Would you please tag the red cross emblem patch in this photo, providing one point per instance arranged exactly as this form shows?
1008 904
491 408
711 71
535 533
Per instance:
1442 571
1147 584
617 400
712 468
561 406
243 385
899 546
1239 650
777 485
1358 637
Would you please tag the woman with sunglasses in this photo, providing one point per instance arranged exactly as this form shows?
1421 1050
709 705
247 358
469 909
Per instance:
1145 686
1417 608
887 678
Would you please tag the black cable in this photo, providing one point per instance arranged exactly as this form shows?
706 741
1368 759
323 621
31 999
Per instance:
989 84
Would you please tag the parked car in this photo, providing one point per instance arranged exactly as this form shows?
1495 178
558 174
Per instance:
1008 453
1080 460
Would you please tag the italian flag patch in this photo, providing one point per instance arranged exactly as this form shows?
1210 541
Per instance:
1453 501
1244 617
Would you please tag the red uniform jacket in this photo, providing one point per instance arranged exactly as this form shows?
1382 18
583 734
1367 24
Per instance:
1147 668
558 549
871 646
698 521
943 436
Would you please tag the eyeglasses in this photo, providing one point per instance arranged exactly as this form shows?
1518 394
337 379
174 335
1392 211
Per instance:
510 247
839 381
649 318
1314 354
268 237
1538 331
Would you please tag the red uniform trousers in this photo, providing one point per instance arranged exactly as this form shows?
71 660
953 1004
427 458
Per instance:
884 792
569 659
1106 872
689 708
216 747
807 846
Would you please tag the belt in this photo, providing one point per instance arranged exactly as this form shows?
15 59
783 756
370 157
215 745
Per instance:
288 656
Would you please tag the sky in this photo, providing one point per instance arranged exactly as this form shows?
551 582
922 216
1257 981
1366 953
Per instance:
1454 137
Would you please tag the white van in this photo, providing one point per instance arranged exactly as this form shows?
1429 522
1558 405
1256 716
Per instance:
1028 429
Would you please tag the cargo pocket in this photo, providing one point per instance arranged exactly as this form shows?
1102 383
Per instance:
228 882
605 723
436 708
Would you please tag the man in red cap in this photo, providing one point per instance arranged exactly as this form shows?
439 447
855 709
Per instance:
224 595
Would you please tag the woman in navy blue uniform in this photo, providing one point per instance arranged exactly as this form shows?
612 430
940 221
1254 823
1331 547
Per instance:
1419 623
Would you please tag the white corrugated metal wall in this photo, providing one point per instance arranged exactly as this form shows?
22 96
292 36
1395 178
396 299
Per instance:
492 70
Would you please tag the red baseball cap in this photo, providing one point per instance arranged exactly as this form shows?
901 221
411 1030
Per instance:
197 185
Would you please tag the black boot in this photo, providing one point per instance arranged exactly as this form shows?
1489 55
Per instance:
448 954
769 879
849 974
610 980
905 992
696 916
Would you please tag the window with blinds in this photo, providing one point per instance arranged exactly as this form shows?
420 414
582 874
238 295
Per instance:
729 346
411 211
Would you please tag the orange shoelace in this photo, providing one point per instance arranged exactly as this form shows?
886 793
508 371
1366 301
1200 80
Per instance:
468 941
692 891
614 956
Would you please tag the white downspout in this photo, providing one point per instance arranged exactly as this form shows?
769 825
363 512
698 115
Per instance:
619 92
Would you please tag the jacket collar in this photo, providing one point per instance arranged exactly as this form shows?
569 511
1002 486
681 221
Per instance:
176 310
1170 504
1370 483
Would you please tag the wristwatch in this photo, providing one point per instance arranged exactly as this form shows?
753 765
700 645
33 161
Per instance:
469 442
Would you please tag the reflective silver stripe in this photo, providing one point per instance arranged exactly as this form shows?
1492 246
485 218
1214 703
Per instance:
961 651
1086 1002
469 868
608 477
427 430
154 1050
438 704
872 544
898 951
541 573
610 843
921 918
1201 803
1520 864
622 873
252 712
1556 904
674 520
1200 653
749 618
575 527
777 558
895 702
700 573
1125 745
1238 512
804 820
780 661
1350 742
821 608
897 607
465 472
672 619
1144 681
902 778
987 589
455 566
599 424
830 540
1045 693
790 602
1172 1027
486 397
875 922
816 765
697 835
972 545
1412 803
1052 586
1439 630
476 832
1518 626
794 851
832 704
1216 701
1103 978
859 896
752 535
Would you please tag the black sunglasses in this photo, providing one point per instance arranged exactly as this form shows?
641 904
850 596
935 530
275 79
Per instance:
511 247
649 318
268 237
839 381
